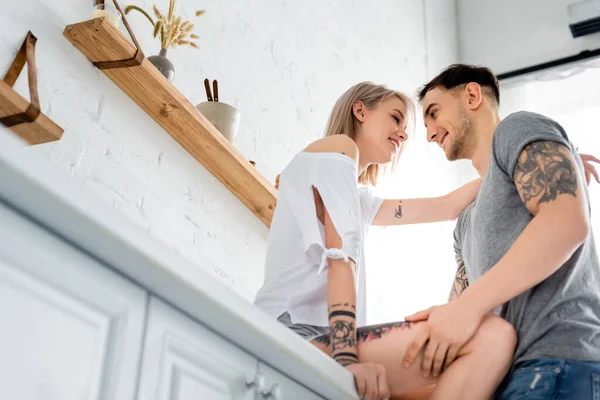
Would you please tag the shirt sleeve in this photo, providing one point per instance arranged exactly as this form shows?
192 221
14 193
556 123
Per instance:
335 178
520 129
370 204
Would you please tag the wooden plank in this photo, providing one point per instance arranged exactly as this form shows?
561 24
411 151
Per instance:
42 130
98 40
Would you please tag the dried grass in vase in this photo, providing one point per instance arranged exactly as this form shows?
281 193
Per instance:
172 31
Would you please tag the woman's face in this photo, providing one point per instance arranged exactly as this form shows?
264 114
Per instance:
382 130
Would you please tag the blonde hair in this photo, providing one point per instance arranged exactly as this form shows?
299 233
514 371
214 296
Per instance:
342 121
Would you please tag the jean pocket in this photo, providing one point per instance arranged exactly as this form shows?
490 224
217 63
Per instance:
532 384
595 386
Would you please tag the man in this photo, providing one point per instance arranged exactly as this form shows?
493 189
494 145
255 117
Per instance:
524 248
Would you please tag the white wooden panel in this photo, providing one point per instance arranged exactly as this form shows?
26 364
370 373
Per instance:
287 389
183 360
70 328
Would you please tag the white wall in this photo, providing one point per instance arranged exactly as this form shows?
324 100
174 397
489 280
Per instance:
282 63
441 35
512 34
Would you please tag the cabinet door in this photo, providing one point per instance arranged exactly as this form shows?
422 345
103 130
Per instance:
184 360
279 387
70 328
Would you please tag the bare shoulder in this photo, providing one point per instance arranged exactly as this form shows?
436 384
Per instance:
334 144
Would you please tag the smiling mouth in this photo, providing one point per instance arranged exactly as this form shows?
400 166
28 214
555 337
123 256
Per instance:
395 142
441 143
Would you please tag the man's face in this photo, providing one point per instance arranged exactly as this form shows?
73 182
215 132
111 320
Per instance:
448 123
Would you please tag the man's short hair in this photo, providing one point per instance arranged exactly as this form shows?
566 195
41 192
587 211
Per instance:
461 74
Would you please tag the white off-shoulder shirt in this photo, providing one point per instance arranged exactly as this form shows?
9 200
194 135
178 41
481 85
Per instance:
296 262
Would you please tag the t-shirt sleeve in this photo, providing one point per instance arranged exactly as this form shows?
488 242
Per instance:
520 129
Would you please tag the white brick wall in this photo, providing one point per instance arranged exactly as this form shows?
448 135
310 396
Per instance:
281 63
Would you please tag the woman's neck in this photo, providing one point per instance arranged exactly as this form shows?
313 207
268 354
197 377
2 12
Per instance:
362 166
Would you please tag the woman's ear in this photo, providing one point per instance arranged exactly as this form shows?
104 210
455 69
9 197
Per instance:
358 109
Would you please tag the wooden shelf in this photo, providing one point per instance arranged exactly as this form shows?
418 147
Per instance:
41 130
98 40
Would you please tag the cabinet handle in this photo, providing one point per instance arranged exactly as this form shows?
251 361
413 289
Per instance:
273 393
258 382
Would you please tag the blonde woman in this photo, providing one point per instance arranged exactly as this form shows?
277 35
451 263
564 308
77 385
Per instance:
315 272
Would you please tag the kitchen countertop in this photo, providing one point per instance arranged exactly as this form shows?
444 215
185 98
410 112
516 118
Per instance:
36 188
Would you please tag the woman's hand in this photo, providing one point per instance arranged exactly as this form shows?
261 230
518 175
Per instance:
370 381
589 168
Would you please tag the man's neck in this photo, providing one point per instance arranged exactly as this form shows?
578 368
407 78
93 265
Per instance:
483 149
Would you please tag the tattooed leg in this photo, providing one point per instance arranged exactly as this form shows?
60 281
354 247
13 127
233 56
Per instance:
365 334
374 332
386 344
479 368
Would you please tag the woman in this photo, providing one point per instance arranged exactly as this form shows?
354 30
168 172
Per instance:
314 276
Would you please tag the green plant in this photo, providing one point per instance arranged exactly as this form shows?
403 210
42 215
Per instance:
170 30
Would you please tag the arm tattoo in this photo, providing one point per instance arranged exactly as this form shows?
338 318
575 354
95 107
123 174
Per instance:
342 335
345 305
544 168
342 313
346 361
398 212
348 355
461 281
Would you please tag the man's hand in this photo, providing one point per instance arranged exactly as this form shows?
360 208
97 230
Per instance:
589 167
450 328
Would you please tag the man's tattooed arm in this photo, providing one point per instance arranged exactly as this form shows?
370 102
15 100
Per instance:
342 334
461 281
544 171
546 176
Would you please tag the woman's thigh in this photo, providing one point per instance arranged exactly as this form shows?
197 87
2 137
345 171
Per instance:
386 344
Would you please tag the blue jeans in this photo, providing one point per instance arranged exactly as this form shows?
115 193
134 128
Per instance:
552 380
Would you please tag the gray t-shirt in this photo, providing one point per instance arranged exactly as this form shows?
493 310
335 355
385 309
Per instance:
560 317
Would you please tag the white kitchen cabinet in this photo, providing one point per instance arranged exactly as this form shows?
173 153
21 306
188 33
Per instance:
277 386
70 328
184 360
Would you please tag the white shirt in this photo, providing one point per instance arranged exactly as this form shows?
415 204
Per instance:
295 277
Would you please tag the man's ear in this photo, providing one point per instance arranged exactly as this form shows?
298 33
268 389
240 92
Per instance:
474 94
358 109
